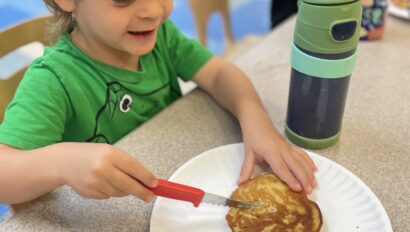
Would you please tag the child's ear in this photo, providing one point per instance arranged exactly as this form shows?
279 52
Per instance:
66 5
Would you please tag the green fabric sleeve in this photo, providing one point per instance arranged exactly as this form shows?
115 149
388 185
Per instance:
187 55
36 116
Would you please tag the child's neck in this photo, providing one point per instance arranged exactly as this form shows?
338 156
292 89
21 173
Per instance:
103 53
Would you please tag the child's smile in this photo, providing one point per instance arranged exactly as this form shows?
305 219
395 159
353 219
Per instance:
117 34
143 35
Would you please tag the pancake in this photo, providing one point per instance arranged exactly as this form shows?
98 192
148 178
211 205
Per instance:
280 209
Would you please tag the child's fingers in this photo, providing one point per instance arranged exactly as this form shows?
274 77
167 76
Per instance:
299 170
95 194
307 158
100 183
247 167
132 167
109 190
108 187
302 158
129 185
91 194
280 168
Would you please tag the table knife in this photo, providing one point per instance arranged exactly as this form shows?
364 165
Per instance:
194 195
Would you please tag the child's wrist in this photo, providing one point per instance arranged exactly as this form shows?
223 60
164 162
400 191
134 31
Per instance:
254 117
56 159
250 110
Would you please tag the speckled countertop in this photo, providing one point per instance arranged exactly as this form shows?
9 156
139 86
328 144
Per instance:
375 141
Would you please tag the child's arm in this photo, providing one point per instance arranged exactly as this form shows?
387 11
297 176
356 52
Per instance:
262 142
93 170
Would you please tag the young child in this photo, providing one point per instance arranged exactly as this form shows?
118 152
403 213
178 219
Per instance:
114 66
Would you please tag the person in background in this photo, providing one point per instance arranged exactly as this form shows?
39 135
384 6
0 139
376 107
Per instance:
115 65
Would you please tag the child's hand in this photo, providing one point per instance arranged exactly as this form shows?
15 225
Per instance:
102 171
262 142
234 91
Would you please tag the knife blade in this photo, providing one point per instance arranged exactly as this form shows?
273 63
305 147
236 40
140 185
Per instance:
194 195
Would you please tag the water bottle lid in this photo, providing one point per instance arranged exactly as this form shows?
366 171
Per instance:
328 27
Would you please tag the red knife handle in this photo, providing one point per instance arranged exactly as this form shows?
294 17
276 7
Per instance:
176 191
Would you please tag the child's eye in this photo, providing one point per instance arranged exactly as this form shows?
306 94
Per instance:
123 2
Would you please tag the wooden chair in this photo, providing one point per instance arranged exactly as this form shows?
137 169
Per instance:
203 9
10 39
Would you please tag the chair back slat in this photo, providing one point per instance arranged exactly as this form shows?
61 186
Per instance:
24 33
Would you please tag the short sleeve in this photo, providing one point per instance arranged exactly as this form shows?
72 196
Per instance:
187 55
36 116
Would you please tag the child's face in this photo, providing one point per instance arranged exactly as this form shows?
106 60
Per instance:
128 26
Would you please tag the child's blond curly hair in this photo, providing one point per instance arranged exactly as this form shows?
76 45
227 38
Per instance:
60 22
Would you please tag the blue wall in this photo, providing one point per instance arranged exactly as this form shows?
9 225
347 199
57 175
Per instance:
247 16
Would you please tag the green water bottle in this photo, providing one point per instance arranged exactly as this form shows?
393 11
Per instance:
324 53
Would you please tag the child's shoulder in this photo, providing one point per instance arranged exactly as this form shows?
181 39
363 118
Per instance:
58 57
62 51
53 67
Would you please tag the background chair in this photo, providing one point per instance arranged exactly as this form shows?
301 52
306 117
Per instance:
202 10
11 39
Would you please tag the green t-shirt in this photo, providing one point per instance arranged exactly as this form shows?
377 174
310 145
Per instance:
67 96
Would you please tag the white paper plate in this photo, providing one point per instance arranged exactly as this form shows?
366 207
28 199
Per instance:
398 11
347 204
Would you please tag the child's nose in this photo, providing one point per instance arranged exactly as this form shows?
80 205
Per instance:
151 10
